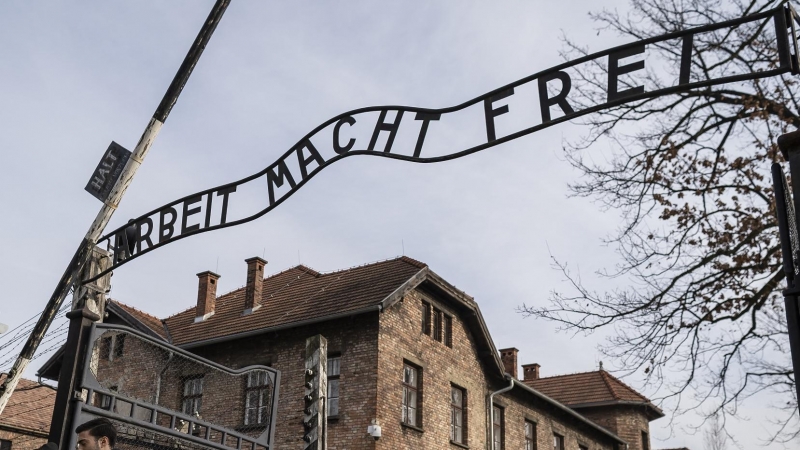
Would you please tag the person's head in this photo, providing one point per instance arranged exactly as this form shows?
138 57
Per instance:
96 434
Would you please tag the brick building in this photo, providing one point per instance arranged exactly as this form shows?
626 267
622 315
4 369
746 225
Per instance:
406 351
25 422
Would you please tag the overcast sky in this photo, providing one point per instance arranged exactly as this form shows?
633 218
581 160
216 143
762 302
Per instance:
76 75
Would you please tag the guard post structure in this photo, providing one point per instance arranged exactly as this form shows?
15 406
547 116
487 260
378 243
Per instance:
789 145
315 407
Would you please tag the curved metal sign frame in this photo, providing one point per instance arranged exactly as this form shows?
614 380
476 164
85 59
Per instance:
161 225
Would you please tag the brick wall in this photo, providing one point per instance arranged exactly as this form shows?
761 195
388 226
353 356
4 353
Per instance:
21 441
401 340
628 422
354 338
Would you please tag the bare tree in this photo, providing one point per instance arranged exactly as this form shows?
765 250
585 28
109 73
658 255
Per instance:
714 436
702 317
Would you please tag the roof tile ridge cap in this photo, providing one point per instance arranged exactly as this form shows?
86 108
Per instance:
287 270
373 263
308 270
125 305
412 261
565 375
605 377
613 378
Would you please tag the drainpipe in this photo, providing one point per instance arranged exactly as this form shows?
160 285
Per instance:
491 409
160 375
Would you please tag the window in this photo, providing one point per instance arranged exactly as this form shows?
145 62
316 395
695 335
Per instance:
530 435
497 427
447 330
112 346
192 395
645 441
5 445
437 324
558 442
334 369
257 398
458 417
411 400
426 318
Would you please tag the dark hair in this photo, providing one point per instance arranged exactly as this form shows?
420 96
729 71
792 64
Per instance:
99 428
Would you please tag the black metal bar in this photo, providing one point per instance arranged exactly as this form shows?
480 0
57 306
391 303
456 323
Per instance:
789 145
779 186
190 61
69 379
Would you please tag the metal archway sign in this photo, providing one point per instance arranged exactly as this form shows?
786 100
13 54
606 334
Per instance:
410 133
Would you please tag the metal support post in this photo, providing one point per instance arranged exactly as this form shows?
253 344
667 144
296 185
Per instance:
71 275
789 145
75 351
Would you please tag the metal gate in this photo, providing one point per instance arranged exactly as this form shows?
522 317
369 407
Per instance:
159 396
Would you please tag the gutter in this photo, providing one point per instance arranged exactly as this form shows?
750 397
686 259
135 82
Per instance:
284 326
569 411
491 409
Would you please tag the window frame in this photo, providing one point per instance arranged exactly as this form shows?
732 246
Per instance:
530 439
426 318
437 324
447 330
499 424
266 406
645 440
333 378
195 399
461 410
558 441
407 389
112 346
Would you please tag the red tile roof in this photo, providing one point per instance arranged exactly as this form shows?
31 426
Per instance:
150 321
296 295
598 387
30 407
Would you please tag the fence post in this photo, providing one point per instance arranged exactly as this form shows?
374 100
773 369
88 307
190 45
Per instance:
69 379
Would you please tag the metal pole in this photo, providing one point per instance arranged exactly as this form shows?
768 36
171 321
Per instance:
109 206
789 144
75 350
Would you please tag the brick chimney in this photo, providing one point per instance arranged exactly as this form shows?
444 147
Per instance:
530 371
206 295
255 278
509 358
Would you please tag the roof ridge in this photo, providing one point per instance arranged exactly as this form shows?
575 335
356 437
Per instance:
134 308
627 387
565 375
607 382
403 258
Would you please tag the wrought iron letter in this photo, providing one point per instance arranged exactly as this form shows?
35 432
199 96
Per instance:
209 200
277 179
146 236
304 162
491 113
383 126
336 146
190 212
615 70
561 99
426 119
166 228
686 59
224 192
